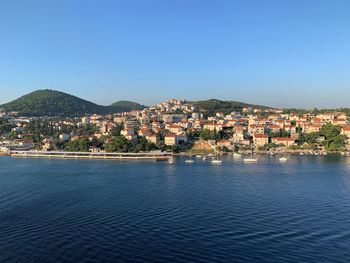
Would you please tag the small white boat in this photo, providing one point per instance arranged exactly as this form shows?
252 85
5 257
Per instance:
301 153
198 156
236 155
189 160
171 160
216 160
204 158
250 160
283 159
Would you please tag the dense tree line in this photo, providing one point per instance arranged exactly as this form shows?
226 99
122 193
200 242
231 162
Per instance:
5 127
211 107
121 144
333 140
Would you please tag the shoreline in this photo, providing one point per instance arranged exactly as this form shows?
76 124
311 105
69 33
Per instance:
157 156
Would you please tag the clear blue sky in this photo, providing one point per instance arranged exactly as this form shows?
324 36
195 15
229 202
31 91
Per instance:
279 53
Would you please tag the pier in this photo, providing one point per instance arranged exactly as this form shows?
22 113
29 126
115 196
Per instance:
157 156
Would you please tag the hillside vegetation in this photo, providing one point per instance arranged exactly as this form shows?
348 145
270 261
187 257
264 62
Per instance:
56 103
212 106
128 105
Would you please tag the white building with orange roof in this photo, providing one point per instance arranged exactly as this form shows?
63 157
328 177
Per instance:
309 128
345 131
213 126
260 140
339 121
224 143
171 139
152 138
280 123
175 129
144 132
260 129
185 124
238 137
283 140
231 123
274 128
316 120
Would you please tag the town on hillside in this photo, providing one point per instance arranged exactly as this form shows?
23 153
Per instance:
179 126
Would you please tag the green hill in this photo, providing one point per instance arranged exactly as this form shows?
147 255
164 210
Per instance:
55 103
212 106
128 105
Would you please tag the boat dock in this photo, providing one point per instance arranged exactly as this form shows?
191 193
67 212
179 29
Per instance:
157 156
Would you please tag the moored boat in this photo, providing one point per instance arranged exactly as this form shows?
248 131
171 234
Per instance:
236 155
251 159
283 159
216 161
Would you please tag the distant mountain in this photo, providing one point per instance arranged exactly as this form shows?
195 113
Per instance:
56 103
128 105
212 106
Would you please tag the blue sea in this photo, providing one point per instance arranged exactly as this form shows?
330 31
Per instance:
145 211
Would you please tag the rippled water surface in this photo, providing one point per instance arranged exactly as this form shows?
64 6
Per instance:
111 211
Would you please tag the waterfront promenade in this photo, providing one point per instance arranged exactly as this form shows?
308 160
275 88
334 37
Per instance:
158 156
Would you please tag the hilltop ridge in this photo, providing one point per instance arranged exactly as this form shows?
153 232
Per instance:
56 103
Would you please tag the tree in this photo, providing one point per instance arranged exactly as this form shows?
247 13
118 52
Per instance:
330 131
280 133
118 144
207 134
12 136
310 138
334 141
116 131
80 145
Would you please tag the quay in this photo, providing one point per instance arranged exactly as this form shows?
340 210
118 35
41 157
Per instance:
157 156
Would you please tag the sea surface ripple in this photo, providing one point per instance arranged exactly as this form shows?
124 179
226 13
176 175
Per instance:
113 211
